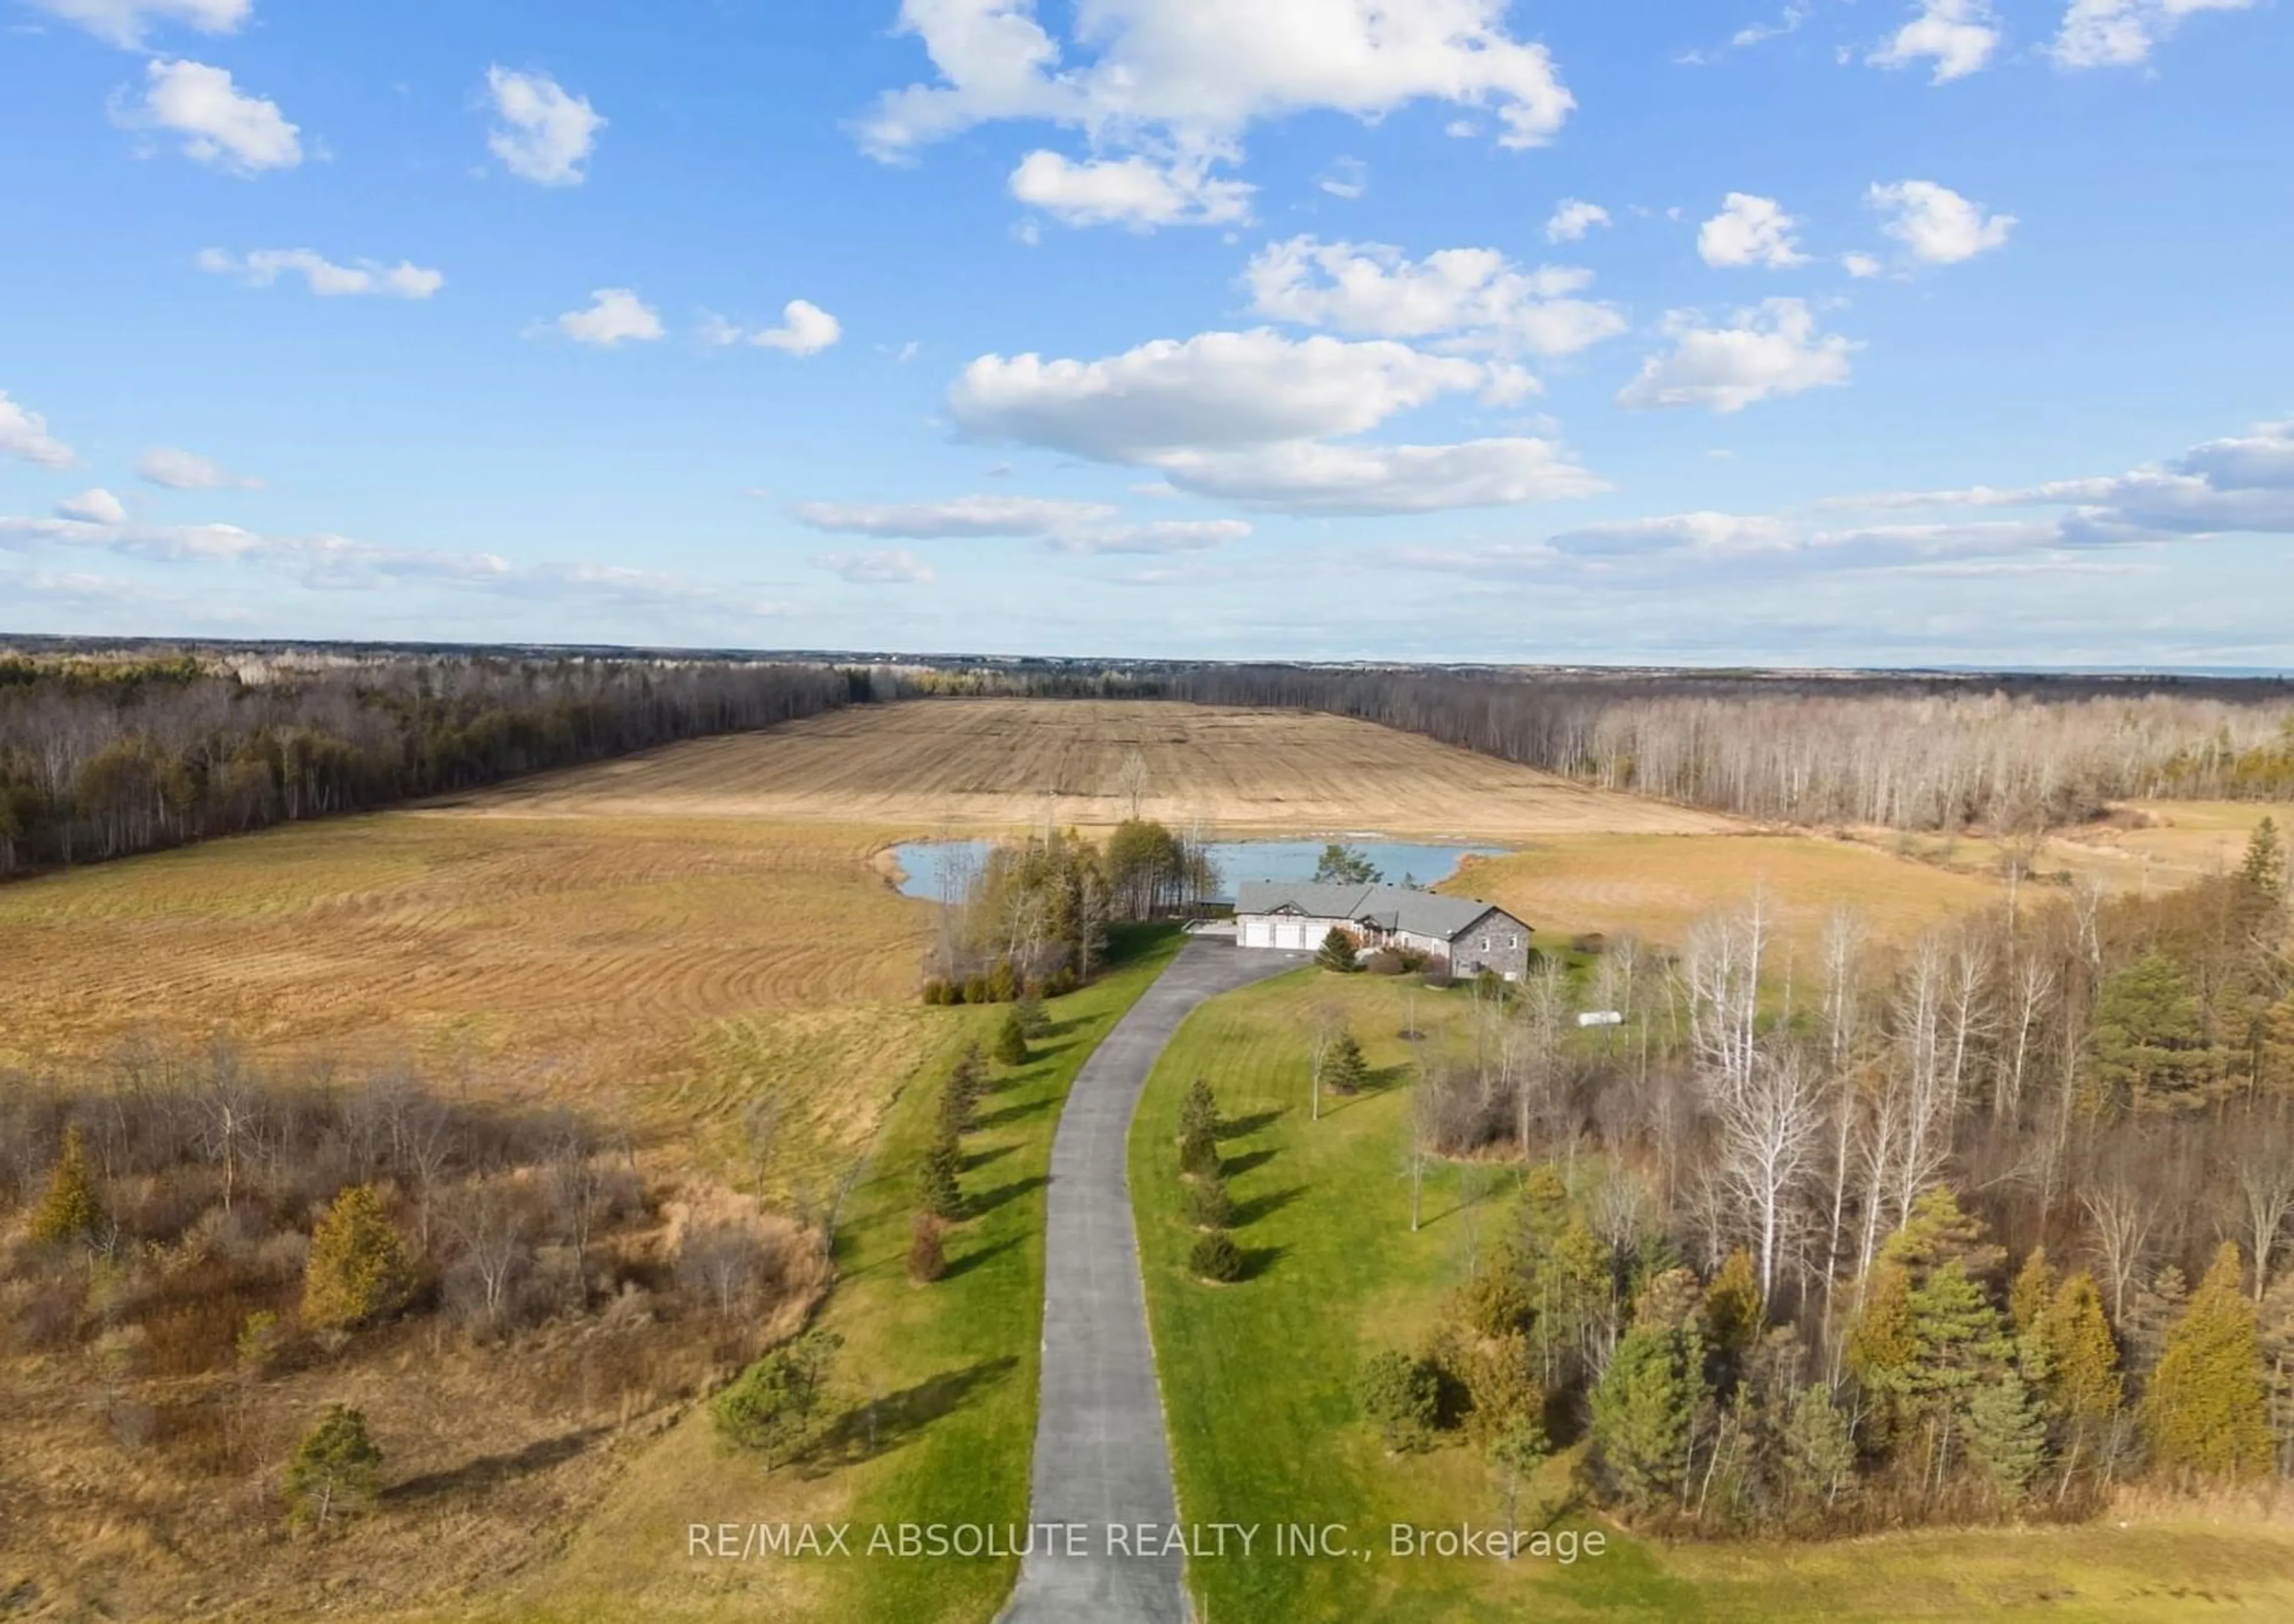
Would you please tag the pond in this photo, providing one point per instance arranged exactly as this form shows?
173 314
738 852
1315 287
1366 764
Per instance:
926 864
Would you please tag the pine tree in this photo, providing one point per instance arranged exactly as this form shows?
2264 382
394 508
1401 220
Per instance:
1645 1409
70 1210
1732 1309
2207 1409
2033 1292
2007 1437
1209 1205
1402 1395
1199 1112
2150 1045
2083 1381
1012 1039
337 1469
1217 1257
939 1184
1819 1450
1346 1072
770 1408
1337 951
357 1270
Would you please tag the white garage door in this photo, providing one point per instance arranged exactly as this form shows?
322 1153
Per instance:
1256 933
1290 933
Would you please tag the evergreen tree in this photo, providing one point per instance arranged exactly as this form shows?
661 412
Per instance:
1346 865
1012 1039
2083 1382
771 1407
2033 1292
939 1184
1644 1411
1402 1396
2150 1047
70 1210
357 1270
1217 1257
1819 1451
927 1248
1732 1310
1337 951
2007 1437
2207 1409
336 1469
1209 1206
1199 1112
1346 1072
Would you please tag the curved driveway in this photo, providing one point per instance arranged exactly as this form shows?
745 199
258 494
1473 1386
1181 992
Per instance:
1100 1456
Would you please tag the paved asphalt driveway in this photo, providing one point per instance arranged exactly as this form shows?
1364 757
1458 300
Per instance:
1101 1459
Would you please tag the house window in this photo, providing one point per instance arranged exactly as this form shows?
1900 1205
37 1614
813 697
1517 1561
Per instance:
1513 941
1486 944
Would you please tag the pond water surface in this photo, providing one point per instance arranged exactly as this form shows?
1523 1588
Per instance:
925 865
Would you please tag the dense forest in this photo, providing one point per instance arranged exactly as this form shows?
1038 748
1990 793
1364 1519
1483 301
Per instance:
1987 1227
1901 754
103 756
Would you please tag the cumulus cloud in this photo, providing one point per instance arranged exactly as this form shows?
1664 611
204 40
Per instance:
174 468
1861 265
96 507
1135 191
1472 296
1572 218
1936 223
1699 534
371 278
219 124
125 23
805 330
959 517
890 566
2122 33
1957 35
546 134
1310 477
615 316
24 436
1750 230
1772 349
1158 536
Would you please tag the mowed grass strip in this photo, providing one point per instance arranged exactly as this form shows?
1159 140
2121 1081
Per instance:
1256 1381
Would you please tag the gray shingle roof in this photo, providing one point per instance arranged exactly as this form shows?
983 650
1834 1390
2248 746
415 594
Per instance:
1390 907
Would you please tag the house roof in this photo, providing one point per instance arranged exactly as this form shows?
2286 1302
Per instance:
1389 907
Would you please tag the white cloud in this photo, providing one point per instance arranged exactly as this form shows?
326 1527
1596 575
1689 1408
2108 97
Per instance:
545 134
805 330
1134 191
96 507
125 23
1346 177
1936 223
1957 35
1219 389
1861 264
615 315
24 436
1158 536
1705 535
219 124
177 469
880 567
264 266
963 516
1572 219
2121 33
1475 296
1750 230
1306 477
1770 350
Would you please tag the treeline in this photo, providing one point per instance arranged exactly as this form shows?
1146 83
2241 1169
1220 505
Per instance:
1982 1231
100 758
1902 755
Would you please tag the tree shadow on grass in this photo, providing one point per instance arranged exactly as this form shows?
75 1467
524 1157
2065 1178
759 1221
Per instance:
989 1200
1012 1113
1248 1213
490 1471
1243 1127
966 1262
877 1426
1250 1161
1257 1260
981 1159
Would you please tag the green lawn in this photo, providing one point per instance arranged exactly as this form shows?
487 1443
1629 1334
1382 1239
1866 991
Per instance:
1255 1380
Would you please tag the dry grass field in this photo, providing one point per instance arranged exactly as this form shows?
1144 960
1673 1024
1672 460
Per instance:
1003 763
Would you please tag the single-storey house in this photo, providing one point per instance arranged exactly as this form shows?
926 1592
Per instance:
1470 936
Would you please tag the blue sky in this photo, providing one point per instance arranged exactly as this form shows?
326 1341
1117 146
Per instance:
1806 332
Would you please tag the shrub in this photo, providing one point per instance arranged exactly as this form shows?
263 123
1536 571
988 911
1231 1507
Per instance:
357 1270
1012 1039
975 990
1337 951
1401 1396
1385 961
1217 1257
1034 1020
1209 1205
1199 1153
1413 959
770 1410
1199 1111
337 1468
940 991
1437 973
1591 941
927 1254
1003 983
1346 1071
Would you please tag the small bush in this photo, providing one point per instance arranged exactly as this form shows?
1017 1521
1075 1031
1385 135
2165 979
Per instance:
1217 1257
1401 1396
1003 983
939 1184
1209 1205
1199 1153
937 991
927 1252
1413 959
1346 1071
71 1210
1385 961
1591 941
1034 1021
337 1469
1012 1039
975 990
1337 952
770 1410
